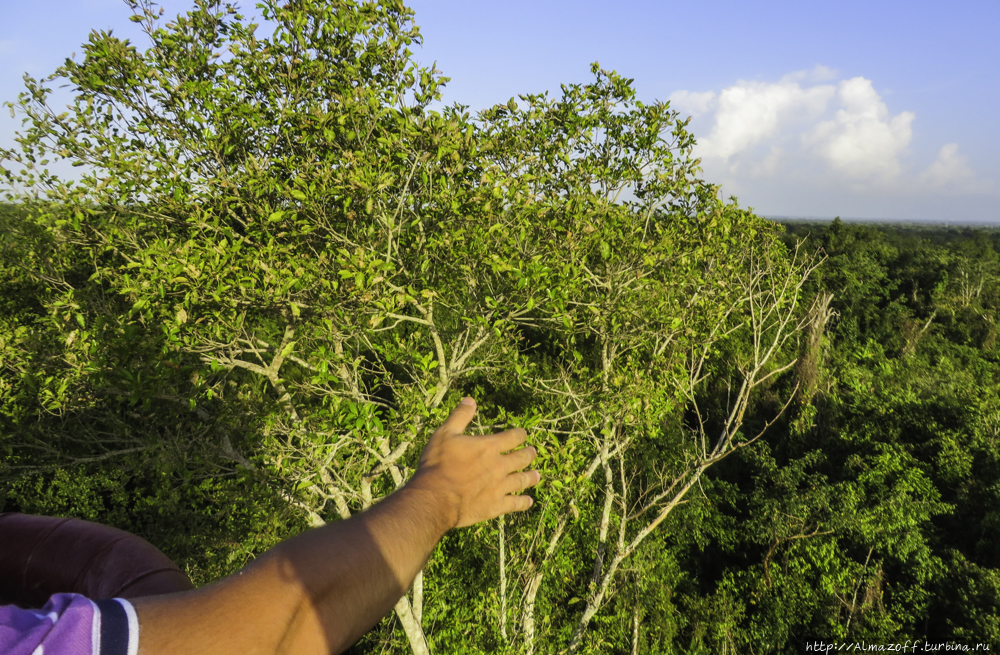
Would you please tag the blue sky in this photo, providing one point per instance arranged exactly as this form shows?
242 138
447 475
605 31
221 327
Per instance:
859 109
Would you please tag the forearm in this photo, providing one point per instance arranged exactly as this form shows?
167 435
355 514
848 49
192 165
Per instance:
354 575
316 593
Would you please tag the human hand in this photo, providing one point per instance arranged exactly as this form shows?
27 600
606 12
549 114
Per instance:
471 473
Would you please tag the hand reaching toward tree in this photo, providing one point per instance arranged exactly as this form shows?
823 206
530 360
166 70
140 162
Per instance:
472 473
320 591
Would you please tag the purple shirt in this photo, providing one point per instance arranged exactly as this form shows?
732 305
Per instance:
70 624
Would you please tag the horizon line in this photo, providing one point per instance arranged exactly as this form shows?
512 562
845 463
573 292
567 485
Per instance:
860 219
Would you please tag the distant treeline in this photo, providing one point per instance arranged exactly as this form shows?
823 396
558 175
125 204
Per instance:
935 232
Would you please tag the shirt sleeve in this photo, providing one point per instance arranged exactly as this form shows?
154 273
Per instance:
70 624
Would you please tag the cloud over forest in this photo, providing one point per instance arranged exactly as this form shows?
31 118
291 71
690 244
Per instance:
816 129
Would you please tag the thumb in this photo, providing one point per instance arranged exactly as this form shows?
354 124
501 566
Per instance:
459 418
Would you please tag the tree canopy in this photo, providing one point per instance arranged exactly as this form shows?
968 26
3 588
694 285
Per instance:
285 260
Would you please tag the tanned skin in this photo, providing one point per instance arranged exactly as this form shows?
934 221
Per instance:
317 593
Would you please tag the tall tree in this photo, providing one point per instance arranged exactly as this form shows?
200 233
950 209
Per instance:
279 236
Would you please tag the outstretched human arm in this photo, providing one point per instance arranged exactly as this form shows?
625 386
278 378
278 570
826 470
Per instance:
320 591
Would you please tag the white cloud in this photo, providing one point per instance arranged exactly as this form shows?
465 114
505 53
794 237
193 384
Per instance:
752 112
801 125
813 143
950 172
819 73
862 141
769 165
692 103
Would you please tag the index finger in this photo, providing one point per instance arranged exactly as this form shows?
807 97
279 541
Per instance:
459 418
511 439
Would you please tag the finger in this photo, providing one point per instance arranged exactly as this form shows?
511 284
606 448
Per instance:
516 504
459 418
520 458
511 439
518 482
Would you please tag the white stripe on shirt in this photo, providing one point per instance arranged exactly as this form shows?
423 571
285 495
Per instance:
133 626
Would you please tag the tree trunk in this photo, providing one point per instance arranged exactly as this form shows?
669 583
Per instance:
528 614
418 598
414 632
503 582
528 618
807 368
595 599
635 630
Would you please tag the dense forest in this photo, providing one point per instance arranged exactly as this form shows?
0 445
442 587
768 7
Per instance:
280 269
